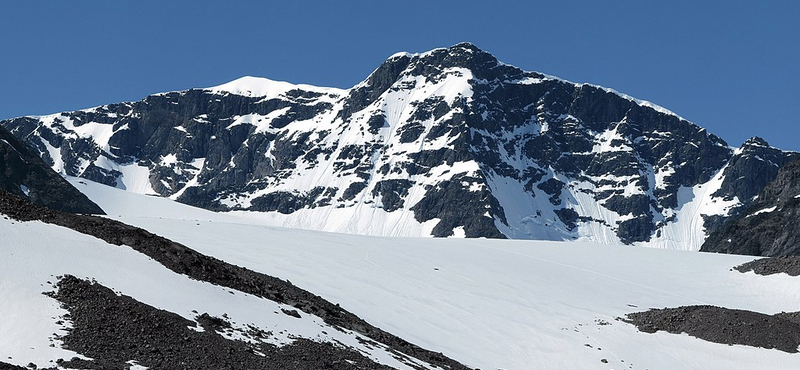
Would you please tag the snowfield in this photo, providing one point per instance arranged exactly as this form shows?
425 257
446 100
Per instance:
490 304
34 255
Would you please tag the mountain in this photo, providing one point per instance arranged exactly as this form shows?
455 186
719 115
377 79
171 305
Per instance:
769 226
450 142
22 172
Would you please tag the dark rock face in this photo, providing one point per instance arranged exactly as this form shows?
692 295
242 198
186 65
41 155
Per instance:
183 260
723 325
413 127
769 226
457 206
775 265
23 173
115 329
392 193
757 161
6 366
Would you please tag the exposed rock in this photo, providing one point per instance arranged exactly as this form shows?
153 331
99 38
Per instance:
723 325
23 173
6 366
774 265
114 329
392 193
769 226
456 206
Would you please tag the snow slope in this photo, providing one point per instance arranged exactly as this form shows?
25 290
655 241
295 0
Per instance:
492 304
33 255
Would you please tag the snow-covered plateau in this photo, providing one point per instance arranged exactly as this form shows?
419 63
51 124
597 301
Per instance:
491 304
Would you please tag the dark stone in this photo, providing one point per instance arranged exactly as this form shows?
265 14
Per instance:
569 217
6 366
774 265
636 229
21 168
553 188
392 193
411 132
637 204
769 226
285 202
353 189
455 206
376 123
114 329
292 313
722 325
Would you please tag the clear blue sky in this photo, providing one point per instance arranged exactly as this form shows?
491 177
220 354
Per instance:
731 66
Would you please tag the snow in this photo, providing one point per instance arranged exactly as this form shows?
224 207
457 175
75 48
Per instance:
687 231
203 118
55 155
765 210
198 164
605 139
491 303
169 160
268 89
135 178
363 219
400 55
34 254
100 133
262 122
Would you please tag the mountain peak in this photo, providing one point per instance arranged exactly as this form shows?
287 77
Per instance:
263 87
451 134
466 46
465 55
756 141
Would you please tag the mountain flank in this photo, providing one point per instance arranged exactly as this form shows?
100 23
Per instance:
769 226
447 143
22 172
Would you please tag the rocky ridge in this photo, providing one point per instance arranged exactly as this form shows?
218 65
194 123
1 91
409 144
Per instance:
769 226
450 142
22 172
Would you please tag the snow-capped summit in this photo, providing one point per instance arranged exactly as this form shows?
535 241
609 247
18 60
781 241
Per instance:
268 89
450 142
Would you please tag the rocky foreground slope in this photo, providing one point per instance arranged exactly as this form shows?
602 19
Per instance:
106 328
450 142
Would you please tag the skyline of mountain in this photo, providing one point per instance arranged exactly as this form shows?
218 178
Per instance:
451 142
